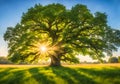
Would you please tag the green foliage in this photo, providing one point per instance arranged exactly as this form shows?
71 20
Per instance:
66 33
113 60
60 75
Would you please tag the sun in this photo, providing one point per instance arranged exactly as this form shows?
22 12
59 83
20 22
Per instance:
43 48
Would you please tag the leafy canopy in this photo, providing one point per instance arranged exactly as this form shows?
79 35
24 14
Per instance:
64 33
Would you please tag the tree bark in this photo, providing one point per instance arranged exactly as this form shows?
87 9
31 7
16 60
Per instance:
55 61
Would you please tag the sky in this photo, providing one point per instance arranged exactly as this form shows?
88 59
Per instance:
12 10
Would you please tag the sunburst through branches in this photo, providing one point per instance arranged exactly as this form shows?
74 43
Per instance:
45 49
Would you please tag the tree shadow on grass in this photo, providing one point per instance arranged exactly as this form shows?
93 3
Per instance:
9 76
44 75
71 76
105 75
59 75
3 73
39 75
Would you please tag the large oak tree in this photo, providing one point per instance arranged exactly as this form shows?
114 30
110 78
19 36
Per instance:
56 33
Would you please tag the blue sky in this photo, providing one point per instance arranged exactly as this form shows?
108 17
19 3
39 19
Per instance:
11 12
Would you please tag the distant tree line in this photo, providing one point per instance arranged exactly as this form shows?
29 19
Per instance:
114 59
4 60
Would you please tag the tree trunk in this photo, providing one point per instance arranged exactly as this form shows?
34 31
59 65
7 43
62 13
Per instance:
55 61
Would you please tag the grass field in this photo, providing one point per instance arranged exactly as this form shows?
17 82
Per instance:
68 74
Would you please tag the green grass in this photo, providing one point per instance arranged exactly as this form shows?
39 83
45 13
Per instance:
60 75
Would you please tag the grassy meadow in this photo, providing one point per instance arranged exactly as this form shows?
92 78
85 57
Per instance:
67 74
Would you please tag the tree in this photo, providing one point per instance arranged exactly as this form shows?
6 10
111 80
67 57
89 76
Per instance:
4 60
113 60
60 34
119 59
